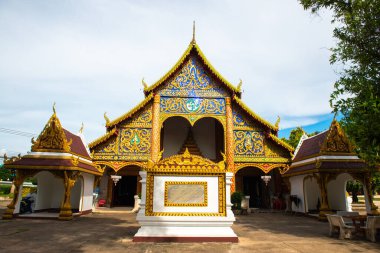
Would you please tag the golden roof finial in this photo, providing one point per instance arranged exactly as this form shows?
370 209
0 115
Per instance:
106 118
54 108
239 85
81 128
277 124
193 40
144 84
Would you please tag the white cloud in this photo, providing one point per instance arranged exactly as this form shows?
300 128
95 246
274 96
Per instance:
90 57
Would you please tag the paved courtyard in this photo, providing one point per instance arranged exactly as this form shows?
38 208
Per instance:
259 232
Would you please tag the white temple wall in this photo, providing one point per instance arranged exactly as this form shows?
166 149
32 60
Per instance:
296 183
312 193
175 133
204 136
50 191
88 190
336 190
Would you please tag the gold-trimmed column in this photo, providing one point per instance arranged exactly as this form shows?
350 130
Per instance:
230 141
372 209
69 178
21 175
156 131
323 179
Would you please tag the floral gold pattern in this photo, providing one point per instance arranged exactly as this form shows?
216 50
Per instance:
135 140
193 105
249 143
192 80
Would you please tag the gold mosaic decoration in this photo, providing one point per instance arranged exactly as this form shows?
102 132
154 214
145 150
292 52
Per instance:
193 80
168 184
248 143
174 105
135 140
142 119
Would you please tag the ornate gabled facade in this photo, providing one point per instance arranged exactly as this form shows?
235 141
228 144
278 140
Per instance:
191 96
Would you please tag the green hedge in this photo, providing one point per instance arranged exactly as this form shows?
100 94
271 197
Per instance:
5 189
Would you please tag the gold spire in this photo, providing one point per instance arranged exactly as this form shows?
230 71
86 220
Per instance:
54 108
193 40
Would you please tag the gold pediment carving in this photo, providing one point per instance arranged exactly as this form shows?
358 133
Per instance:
336 140
52 138
186 162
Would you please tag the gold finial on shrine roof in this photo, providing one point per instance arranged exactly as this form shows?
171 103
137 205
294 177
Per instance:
106 118
54 108
193 40
144 84
81 128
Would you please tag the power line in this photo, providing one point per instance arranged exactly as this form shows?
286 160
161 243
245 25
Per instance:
17 132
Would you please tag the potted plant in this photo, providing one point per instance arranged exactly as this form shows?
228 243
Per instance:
236 199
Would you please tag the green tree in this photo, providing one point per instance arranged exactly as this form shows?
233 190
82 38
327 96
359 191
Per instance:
357 91
295 136
4 173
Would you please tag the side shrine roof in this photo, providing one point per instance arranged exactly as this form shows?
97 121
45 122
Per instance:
329 151
193 47
55 149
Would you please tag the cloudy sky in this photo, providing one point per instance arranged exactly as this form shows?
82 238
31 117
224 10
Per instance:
90 56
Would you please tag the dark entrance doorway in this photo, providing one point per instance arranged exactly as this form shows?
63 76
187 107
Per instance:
124 191
253 188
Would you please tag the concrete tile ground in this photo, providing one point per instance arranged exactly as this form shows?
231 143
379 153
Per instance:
259 232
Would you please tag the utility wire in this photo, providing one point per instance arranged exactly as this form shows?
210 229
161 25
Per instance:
16 132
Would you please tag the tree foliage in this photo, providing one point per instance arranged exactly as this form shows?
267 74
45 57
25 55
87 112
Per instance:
357 91
295 136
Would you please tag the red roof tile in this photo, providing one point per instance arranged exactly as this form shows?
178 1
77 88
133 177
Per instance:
77 146
310 146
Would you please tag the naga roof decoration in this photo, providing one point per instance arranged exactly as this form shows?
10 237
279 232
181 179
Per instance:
103 138
192 47
52 137
254 115
131 112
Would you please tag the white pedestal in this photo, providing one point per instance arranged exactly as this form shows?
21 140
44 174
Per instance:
179 226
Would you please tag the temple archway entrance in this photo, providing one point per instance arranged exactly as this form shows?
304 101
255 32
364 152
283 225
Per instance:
127 187
204 138
249 182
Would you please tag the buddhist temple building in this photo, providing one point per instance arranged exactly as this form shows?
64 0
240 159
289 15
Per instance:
320 169
192 107
64 171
